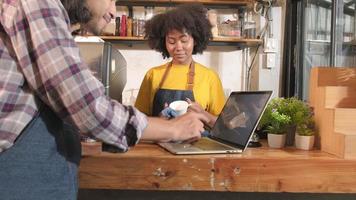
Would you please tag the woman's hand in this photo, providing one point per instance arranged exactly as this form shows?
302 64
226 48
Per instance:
163 114
168 113
195 107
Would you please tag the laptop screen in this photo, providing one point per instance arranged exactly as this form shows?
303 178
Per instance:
240 116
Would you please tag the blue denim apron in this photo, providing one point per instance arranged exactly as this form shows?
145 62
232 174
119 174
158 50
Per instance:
43 162
163 96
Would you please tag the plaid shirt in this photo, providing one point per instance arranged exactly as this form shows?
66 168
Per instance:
40 60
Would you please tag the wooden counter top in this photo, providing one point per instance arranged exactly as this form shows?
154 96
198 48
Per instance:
149 167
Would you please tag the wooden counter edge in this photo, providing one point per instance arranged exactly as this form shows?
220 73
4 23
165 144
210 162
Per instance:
155 169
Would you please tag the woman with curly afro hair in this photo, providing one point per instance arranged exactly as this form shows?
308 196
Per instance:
178 34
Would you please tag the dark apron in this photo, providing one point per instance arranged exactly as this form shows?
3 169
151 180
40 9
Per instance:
163 96
42 164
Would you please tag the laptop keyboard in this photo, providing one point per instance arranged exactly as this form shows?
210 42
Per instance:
207 144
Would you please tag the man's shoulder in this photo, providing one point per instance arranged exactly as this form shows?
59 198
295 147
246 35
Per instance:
44 8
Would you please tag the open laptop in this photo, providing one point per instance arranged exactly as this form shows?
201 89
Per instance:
232 130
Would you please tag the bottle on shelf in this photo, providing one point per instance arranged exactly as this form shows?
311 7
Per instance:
123 26
117 26
129 27
138 27
141 27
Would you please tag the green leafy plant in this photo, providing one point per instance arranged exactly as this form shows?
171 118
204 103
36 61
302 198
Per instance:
280 109
306 129
279 123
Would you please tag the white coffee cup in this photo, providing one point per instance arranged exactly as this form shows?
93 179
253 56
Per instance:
180 107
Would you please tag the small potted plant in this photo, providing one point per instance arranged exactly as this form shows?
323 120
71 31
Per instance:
285 114
304 137
277 128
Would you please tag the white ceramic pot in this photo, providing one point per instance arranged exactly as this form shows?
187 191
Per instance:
304 142
276 140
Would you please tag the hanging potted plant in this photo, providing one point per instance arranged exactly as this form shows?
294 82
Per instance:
305 136
277 128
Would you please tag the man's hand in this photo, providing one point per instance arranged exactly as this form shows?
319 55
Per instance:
188 126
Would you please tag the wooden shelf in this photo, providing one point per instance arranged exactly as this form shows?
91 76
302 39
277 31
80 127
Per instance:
121 38
235 40
174 2
217 41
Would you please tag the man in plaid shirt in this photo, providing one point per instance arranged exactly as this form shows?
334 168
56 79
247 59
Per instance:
44 84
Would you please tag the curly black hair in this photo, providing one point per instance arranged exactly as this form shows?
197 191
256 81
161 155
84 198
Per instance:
191 18
77 10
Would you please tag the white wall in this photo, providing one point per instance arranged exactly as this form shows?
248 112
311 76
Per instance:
270 78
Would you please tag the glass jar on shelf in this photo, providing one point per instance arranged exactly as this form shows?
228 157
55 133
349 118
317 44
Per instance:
149 11
138 27
230 28
213 19
249 26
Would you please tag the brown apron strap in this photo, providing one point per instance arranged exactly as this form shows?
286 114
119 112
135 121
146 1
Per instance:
191 73
190 80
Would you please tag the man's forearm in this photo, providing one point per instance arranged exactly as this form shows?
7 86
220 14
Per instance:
182 128
158 130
